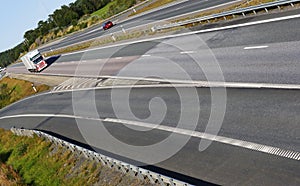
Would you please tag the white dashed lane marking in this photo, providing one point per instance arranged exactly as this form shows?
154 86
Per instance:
187 52
255 47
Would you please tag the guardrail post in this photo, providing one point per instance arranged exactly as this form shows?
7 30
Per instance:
130 170
172 182
278 7
123 30
139 175
13 130
108 163
244 14
266 10
150 177
122 169
292 4
113 37
225 18
71 147
160 180
153 29
101 159
254 12
33 87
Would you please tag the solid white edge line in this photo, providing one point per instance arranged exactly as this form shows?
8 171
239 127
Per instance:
194 32
224 4
190 85
221 139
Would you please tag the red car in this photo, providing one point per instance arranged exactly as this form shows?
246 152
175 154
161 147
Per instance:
107 25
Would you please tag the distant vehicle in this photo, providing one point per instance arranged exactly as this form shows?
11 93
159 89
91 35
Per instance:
34 61
107 25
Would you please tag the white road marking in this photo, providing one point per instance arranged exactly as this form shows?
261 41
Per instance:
290 154
230 141
187 52
146 55
255 47
43 115
119 57
195 32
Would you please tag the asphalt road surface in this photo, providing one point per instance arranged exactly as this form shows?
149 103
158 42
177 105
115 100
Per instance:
263 116
161 14
263 53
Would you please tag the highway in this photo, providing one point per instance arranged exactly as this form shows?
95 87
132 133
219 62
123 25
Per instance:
152 16
263 53
263 116
267 119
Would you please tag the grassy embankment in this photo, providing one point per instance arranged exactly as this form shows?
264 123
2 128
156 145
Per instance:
12 90
103 11
151 6
39 162
112 8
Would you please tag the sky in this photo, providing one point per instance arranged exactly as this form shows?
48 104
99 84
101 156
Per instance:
19 16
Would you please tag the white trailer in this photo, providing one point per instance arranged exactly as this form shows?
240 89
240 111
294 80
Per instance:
34 61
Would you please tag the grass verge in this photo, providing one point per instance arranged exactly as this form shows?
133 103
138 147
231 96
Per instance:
39 162
151 6
12 90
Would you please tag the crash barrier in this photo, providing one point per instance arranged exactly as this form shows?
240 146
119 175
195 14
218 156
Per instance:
140 173
242 11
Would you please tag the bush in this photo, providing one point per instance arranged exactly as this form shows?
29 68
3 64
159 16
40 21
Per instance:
5 155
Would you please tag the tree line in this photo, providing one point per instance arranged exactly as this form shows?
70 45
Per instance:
59 19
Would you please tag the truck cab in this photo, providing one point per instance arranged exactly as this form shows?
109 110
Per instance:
34 61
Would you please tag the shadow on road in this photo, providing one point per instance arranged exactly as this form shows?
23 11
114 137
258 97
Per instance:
51 60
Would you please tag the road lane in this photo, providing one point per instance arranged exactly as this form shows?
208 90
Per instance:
167 12
277 63
252 114
263 116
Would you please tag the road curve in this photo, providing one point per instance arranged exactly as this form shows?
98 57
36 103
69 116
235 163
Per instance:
261 116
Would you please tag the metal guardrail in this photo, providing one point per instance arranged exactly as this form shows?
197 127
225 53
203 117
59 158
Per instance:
241 11
140 173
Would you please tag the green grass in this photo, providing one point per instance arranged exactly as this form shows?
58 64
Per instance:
39 162
103 11
151 6
12 90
